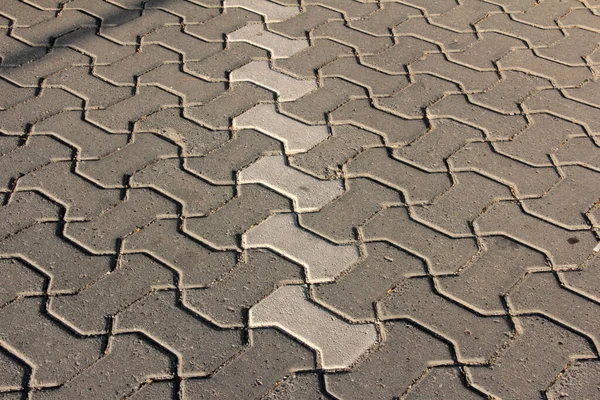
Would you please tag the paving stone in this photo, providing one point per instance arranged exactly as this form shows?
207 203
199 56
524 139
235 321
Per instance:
325 159
423 91
278 46
396 131
305 63
96 92
443 254
70 127
313 107
155 389
141 208
573 48
564 247
240 97
443 383
469 79
299 25
12 375
14 53
190 137
197 196
25 14
286 87
110 377
191 13
296 136
322 260
351 9
576 381
507 376
82 198
176 39
587 93
503 23
551 101
393 60
381 22
271 12
563 75
360 42
195 263
547 135
580 18
218 66
145 149
89 309
570 199
258 273
375 163
43 33
307 192
13 94
585 280
202 347
110 14
69 266
130 32
272 356
464 15
338 343
191 88
431 150
507 94
475 337
119 117
35 153
408 348
484 283
301 387
528 181
223 229
46 345
24 210
368 281
338 220
101 49
221 165
447 39
126 70
47 103
542 293
377 82
579 151
545 15
228 21
485 52
23 280
456 208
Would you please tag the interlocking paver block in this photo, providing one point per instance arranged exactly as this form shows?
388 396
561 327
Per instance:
354 293
508 375
307 192
278 46
23 280
409 349
299 25
197 264
260 272
272 12
442 383
322 260
338 343
565 247
444 254
286 87
296 136
88 309
576 381
271 356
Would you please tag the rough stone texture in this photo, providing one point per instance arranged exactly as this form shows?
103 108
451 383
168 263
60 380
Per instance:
283 199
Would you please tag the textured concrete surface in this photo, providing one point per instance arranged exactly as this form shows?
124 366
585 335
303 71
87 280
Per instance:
285 199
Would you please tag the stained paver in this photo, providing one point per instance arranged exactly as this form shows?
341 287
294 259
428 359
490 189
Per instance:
283 199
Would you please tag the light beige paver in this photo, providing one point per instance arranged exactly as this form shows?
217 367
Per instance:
338 343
